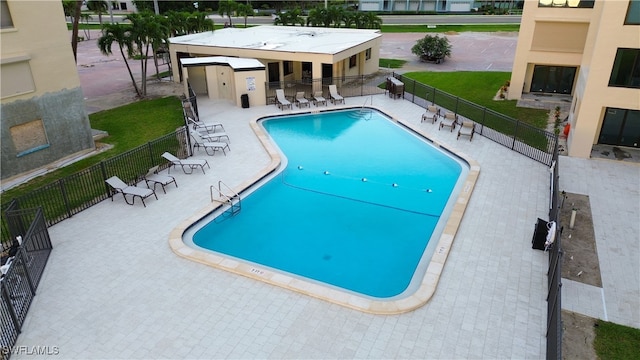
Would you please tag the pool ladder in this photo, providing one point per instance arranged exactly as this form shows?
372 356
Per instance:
233 201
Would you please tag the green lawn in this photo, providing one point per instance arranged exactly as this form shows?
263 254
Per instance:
480 87
447 28
391 63
616 342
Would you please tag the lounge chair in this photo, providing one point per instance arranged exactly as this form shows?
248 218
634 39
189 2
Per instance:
155 178
190 164
281 100
193 120
121 187
432 114
468 128
301 100
319 99
210 147
449 120
334 96
215 136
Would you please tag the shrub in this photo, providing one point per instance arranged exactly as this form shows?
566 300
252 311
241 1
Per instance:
432 48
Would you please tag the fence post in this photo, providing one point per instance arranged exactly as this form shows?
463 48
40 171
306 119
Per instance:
457 100
63 191
484 116
515 133
413 93
150 146
12 311
23 260
103 169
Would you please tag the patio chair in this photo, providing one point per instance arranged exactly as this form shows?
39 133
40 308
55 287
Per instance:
319 99
121 187
301 100
190 164
432 113
210 147
334 96
449 120
155 178
215 136
468 128
281 100
193 120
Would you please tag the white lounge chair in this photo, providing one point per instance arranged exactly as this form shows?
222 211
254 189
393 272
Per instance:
121 187
215 136
301 100
193 120
319 99
449 120
281 100
155 178
468 128
334 96
432 114
190 164
210 147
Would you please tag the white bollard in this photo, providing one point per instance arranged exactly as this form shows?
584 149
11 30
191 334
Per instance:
573 218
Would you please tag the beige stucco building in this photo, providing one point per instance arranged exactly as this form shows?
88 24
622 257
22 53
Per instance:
590 52
43 115
287 53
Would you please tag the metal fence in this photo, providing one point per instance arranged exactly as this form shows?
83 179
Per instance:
68 196
518 136
554 274
348 86
18 285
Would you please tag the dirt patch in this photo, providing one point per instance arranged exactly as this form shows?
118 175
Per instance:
580 259
578 335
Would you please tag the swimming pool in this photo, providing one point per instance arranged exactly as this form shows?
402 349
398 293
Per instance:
355 207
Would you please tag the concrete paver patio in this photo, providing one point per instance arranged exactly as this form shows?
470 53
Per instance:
114 289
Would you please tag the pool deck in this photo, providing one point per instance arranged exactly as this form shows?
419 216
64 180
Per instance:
113 288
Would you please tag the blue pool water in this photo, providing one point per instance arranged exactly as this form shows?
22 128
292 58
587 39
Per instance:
355 206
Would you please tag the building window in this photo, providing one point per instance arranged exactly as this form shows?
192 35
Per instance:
16 77
626 69
620 127
353 61
287 67
633 13
5 15
367 54
29 137
553 79
566 3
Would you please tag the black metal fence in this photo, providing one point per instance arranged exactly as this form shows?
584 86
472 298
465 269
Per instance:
348 86
24 270
554 274
68 196
518 136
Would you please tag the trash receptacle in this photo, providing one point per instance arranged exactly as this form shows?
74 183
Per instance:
244 99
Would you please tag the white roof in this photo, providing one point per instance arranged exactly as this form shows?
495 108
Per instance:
282 38
233 62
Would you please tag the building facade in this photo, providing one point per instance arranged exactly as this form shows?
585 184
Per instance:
43 117
418 5
288 53
588 51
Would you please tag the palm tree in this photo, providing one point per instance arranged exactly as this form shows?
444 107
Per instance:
198 22
74 32
119 34
177 22
372 21
317 17
99 7
245 10
227 7
291 17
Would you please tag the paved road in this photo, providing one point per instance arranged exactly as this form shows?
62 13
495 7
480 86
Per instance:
386 19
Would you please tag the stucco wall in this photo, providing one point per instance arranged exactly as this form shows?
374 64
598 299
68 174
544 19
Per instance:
65 123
